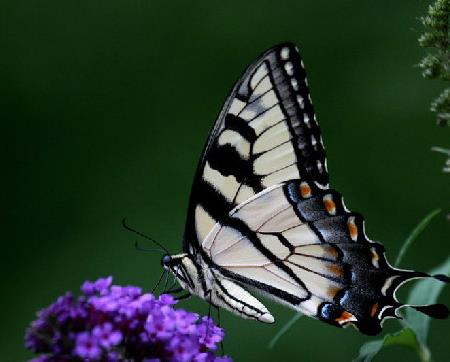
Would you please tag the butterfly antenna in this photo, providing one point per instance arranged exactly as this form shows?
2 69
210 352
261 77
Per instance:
159 281
124 224
140 248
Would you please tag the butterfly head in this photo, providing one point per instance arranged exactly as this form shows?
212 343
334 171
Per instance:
172 262
166 261
182 267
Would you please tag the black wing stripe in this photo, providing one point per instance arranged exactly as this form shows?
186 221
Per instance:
269 289
235 123
256 242
273 91
229 295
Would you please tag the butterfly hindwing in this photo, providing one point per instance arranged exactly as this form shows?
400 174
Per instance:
299 244
265 134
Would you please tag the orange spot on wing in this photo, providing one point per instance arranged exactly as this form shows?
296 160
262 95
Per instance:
329 204
374 309
305 190
375 257
352 228
332 291
331 252
345 317
336 270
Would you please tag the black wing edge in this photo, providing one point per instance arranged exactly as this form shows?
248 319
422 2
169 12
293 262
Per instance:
371 282
190 242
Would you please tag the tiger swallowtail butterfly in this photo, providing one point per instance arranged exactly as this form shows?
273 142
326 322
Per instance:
262 218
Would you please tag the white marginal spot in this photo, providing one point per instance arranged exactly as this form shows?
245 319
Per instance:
294 84
301 62
320 139
309 98
306 81
300 101
364 232
284 53
382 311
343 204
319 166
322 187
306 120
387 284
236 106
289 68
314 142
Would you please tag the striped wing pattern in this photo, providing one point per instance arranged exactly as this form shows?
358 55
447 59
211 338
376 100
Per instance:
299 244
265 134
261 214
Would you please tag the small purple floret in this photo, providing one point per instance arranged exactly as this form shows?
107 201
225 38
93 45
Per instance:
115 323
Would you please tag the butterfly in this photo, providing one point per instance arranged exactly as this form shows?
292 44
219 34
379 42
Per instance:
262 218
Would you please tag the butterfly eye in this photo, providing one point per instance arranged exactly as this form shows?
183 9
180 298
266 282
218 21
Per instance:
166 260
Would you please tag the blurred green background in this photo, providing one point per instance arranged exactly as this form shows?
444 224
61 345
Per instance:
106 105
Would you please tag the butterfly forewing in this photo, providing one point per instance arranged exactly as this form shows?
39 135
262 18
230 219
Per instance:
265 134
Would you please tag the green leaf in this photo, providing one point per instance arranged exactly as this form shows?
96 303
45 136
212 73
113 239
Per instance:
405 338
425 292
284 329
414 234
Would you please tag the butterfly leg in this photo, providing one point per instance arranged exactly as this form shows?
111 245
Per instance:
222 349
174 290
183 296
208 294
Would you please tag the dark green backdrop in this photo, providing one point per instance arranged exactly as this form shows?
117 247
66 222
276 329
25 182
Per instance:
105 106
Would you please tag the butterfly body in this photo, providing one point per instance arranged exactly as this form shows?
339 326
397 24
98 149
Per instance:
263 219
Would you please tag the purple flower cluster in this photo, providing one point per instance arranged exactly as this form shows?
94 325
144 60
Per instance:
116 323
